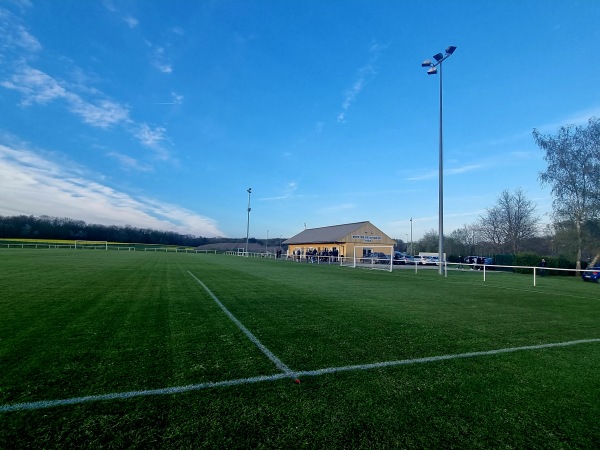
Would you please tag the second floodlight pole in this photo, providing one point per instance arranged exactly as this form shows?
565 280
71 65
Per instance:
248 225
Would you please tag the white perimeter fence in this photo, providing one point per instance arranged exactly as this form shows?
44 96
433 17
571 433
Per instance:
109 247
365 263
371 263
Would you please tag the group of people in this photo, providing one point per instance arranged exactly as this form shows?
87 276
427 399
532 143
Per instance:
313 255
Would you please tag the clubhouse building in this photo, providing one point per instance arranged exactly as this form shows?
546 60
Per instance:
340 240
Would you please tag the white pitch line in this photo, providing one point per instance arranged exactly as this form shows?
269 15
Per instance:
289 372
406 362
240 381
132 394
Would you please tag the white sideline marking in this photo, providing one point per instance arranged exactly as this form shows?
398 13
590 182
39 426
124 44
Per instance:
196 387
125 395
289 372
405 362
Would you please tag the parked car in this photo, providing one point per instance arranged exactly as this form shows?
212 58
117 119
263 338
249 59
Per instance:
482 260
591 274
417 259
410 259
432 260
376 258
401 258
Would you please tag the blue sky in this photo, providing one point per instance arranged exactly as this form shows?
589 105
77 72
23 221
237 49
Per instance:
161 114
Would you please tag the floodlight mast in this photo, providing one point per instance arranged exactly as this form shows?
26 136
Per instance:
440 58
248 225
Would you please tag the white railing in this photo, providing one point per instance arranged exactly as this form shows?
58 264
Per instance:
485 268
103 247
177 250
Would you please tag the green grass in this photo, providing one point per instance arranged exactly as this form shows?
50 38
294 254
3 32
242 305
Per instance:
74 324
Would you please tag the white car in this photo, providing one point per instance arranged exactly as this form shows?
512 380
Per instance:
420 260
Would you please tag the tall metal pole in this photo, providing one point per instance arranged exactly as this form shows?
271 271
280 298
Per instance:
267 244
440 58
441 187
248 226
411 241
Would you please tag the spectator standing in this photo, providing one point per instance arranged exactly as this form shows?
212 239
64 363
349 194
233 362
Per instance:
543 267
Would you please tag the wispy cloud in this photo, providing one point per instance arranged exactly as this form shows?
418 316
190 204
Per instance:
288 191
152 137
452 171
79 97
363 76
176 100
131 22
35 86
577 118
38 87
158 58
128 163
103 114
463 169
34 184
108 4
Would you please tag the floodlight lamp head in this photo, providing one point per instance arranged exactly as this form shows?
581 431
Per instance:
432 71
450 49
249 190
438 57
426 63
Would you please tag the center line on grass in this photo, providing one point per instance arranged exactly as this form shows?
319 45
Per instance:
259 379
289 372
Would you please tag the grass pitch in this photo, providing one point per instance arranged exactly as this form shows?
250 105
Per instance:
102 336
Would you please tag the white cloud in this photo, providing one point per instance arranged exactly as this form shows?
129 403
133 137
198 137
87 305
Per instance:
158 58
164 68
131 22
15 37
150 137
129 163
35 86
578 118
289 191
86 102
108 4
364 73
34 185
103 114
453 171
462 169
177 99
39 87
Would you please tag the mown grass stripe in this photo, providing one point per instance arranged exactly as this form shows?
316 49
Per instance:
284 368
208 385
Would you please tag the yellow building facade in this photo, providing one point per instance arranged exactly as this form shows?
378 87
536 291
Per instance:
341 240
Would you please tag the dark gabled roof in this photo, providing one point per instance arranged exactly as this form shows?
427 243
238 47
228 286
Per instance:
325 235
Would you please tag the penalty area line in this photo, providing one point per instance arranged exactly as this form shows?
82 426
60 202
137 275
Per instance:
280 365
132 394
406 362
259 379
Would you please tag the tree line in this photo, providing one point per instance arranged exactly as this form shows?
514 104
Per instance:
45 227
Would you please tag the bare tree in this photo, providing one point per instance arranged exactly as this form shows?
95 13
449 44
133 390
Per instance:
429 242
510 222
573 157
467 237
